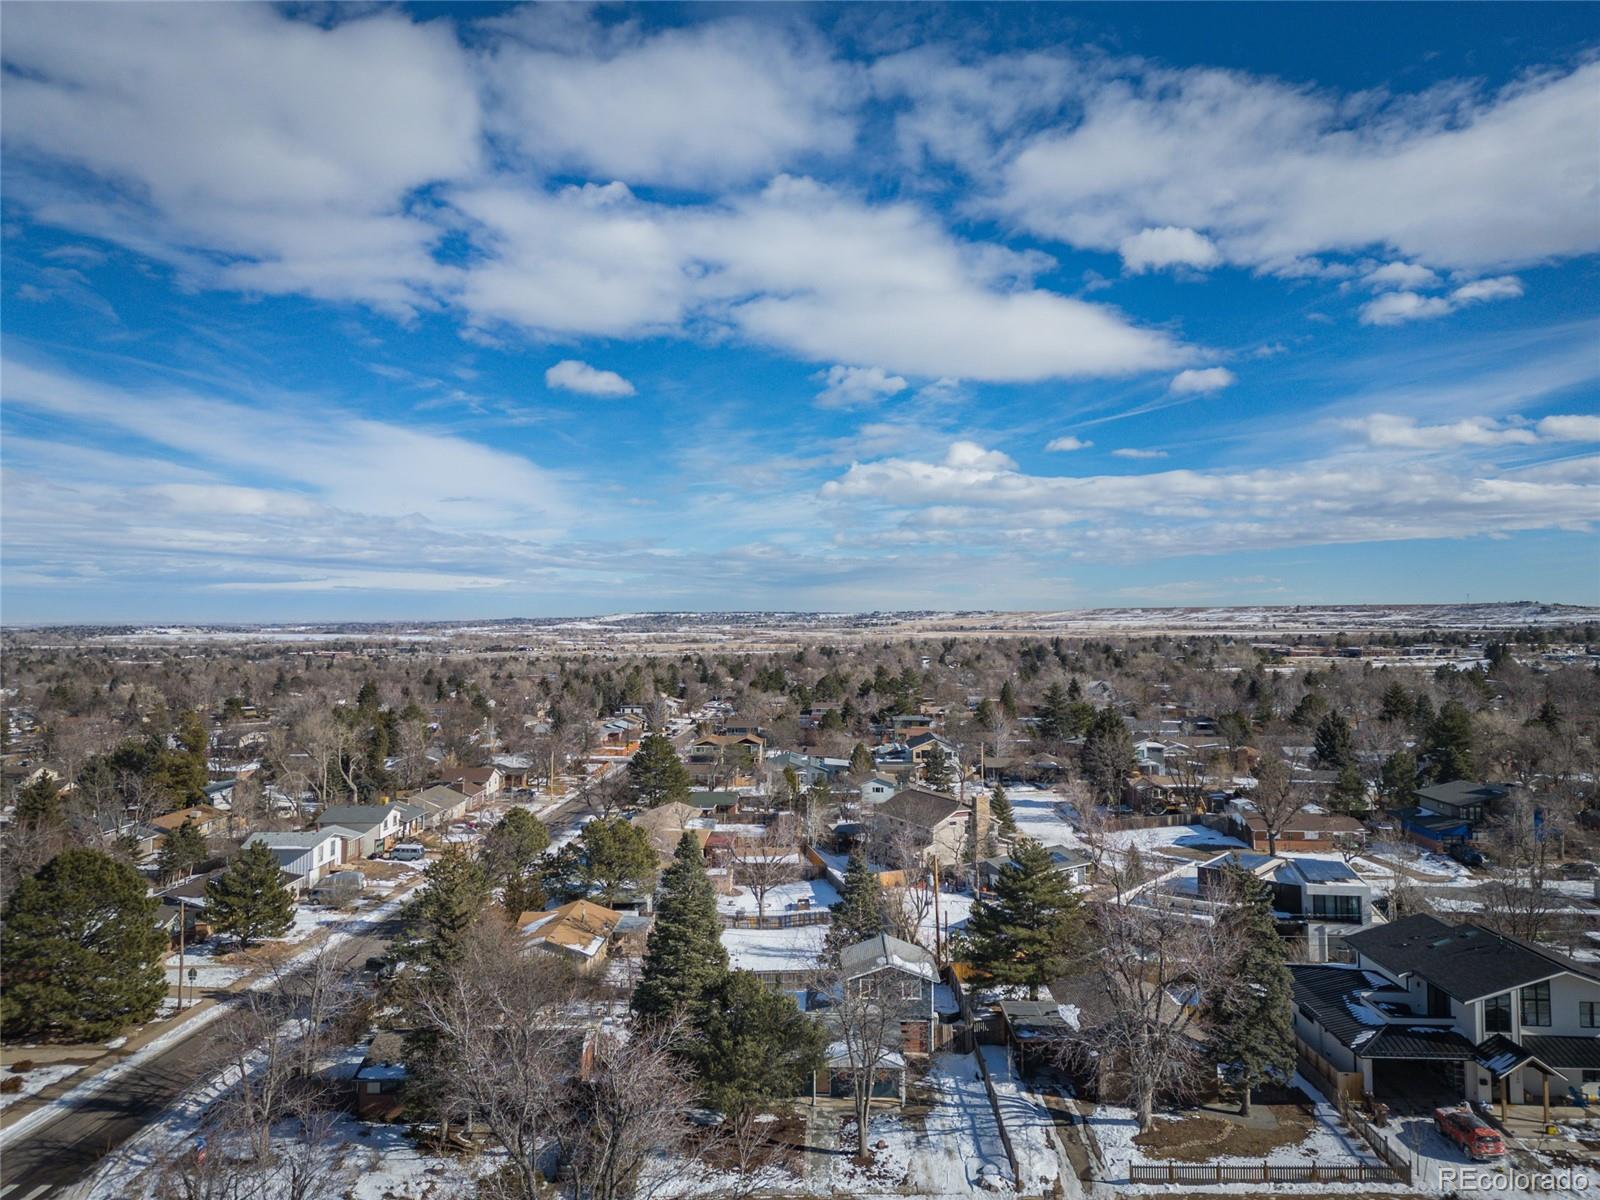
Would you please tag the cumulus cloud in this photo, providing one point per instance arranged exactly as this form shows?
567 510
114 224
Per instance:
1169 246
1395 308
705 105
800 266
1199 381
970 456
1134 452
574 376
1575 428
1276 175
850 387
1062 445
1400 275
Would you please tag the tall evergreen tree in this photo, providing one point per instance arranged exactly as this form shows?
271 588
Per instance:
1395 706
1108 754
684 961
861 764
1349 793
861 912
248 900
936 770
39 802
616 856
1008 699
656 775
83 956
1251 1018
450 903
1399 778
1000 810
1055 714
182 852
1332 743
1448 744
758 1048
1027 932
514 846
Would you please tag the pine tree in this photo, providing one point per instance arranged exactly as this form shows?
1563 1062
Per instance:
449 905
248 900
1332 743
39 802
861 764
1027 933
861 912
182 852
1396 704
1549 716
758 1048
1055 714
656 775
514 847
1250 1019
617 856
936 770
83 956
1000 810
684 959
1008 699
1108 754
1349 793
1399 778
1448 744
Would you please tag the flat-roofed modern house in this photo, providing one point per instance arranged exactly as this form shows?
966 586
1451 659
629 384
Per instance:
1317 901
1433 1013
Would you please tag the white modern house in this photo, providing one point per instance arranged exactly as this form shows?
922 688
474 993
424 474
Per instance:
306 856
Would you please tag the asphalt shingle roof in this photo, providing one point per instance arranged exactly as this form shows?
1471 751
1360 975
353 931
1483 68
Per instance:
1467 961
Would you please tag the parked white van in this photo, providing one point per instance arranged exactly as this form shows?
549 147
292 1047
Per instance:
408 851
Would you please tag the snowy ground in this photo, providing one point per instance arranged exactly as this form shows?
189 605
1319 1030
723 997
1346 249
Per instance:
1153 841
962 1135
36 1080
774 949
785 898
1438 1165
1114 1129
1043 816
1029 1123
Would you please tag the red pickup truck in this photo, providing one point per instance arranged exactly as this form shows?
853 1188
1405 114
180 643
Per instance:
1472 1133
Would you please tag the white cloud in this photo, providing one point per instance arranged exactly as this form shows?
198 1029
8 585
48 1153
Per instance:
1276 175
1400 275
1179 512
1394 308
710 104
1169 246
799 266
1131 452
1390 431
1062 445
1197 382
850 387
970 456
575 376
1575 428
251 150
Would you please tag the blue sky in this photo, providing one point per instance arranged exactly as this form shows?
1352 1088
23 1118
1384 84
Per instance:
454 311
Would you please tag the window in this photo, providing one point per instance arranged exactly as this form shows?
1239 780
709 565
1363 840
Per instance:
1338 908
1591 1077
1589 1014
1536 1004
1497 1014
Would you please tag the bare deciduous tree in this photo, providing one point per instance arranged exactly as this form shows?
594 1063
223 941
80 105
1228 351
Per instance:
1276 798
769 862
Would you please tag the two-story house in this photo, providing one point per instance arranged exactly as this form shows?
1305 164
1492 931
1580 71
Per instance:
933 823
1316 901
1449 812
305 857
1431 1012
367 828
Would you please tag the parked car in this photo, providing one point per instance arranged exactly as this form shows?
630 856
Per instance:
1579 870
1476 1137
1468 855
408 852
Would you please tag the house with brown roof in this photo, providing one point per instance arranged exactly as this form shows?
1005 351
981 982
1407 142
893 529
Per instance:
664 825
207 820
935 824
478 783
580 931
1305 831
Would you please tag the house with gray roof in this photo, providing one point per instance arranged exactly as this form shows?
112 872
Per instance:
934 823
1431 1012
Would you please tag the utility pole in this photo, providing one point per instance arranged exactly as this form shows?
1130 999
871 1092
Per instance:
183 928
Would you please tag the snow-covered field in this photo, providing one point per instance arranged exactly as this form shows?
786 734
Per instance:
785 898
961 1135
1032 1129
1043 816
774 949
1153 841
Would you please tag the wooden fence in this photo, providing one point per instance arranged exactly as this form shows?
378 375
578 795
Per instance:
790 920
1201 1173
1382 1146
